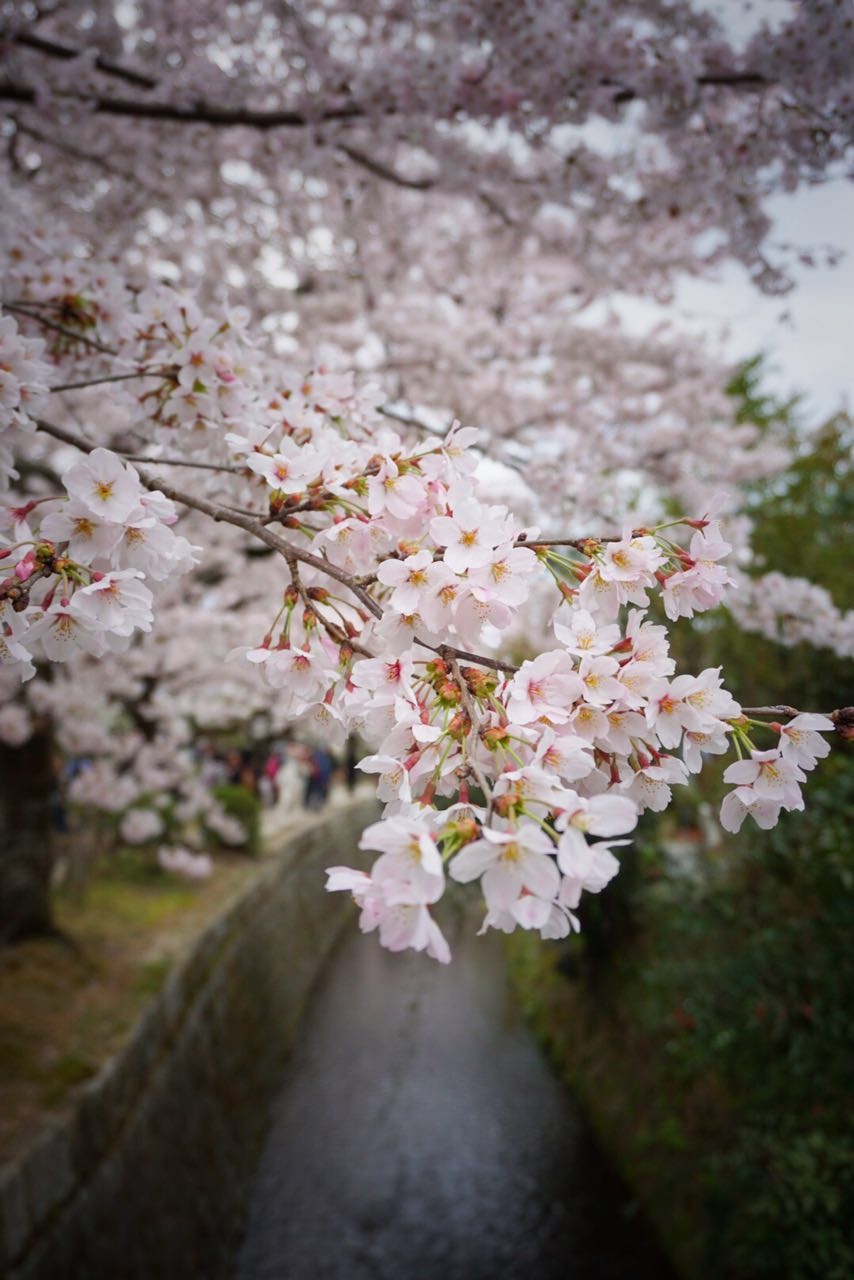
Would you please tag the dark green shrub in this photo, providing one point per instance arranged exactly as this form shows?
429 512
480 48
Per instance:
240 803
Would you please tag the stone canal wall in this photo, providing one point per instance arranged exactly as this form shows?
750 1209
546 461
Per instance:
147 1178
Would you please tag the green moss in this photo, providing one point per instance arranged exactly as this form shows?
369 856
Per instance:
240 803
63 1075
152 976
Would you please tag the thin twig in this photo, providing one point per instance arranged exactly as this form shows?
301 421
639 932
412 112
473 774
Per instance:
773 711
53 49
494 663
474 720
221 513
59 328
182 462
198 113
384 171
114 377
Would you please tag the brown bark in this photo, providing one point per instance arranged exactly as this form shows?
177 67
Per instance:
26 845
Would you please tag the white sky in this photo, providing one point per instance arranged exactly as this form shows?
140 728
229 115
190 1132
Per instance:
808 333
811 348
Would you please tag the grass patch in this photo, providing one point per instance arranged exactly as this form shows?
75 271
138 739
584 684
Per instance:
66 1006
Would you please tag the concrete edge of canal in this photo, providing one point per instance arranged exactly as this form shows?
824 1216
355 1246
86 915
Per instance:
148 1175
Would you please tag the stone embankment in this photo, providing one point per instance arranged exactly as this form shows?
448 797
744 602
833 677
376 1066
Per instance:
147 1177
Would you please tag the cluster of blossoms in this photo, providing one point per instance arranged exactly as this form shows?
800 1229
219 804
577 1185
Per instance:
197 372
577 741
402 582
80 563
793 611
183 862
769 781
24 380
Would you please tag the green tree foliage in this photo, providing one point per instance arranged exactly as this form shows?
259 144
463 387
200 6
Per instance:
803 526
742 980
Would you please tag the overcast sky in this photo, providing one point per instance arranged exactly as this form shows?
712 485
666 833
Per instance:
808 334
811 348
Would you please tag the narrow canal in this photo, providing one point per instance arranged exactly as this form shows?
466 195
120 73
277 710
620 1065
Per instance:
420 1135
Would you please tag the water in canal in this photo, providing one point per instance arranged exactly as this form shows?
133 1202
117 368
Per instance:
420 1135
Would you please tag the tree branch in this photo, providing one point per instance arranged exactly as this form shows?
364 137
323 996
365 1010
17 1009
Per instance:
752 81
277 118
21 310
53 49
494 663
474 720
579 544
223 514
381 170
114 377
200 112
184 462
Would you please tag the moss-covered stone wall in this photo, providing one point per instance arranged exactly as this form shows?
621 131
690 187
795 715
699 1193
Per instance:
147 1178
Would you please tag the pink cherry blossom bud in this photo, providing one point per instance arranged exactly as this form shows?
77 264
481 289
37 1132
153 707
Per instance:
25 566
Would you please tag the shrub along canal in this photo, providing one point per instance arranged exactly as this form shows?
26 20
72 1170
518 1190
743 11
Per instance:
419 1133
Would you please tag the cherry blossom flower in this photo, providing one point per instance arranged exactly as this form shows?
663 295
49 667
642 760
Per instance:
89 536
104 485
401 926
470 535
507 862
581 634
409 579
771 776
62 632
547 686
410 869
117 601
801 740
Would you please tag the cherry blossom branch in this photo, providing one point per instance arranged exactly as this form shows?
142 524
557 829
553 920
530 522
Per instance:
185 462
579 544
65 148
229 117
288 550
53 49
199 113
494 663
292 553
771 711
751 81
65 437
790 712
448 653
380 170
114 377
223 514
409 421
21 310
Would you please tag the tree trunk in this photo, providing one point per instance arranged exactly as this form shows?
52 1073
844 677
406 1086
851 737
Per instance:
26 845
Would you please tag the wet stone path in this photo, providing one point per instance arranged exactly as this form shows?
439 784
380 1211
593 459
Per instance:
420 1135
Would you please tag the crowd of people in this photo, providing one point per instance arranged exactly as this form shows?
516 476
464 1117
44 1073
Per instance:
289 771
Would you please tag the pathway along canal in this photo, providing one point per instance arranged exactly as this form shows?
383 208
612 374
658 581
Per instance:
420 1135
